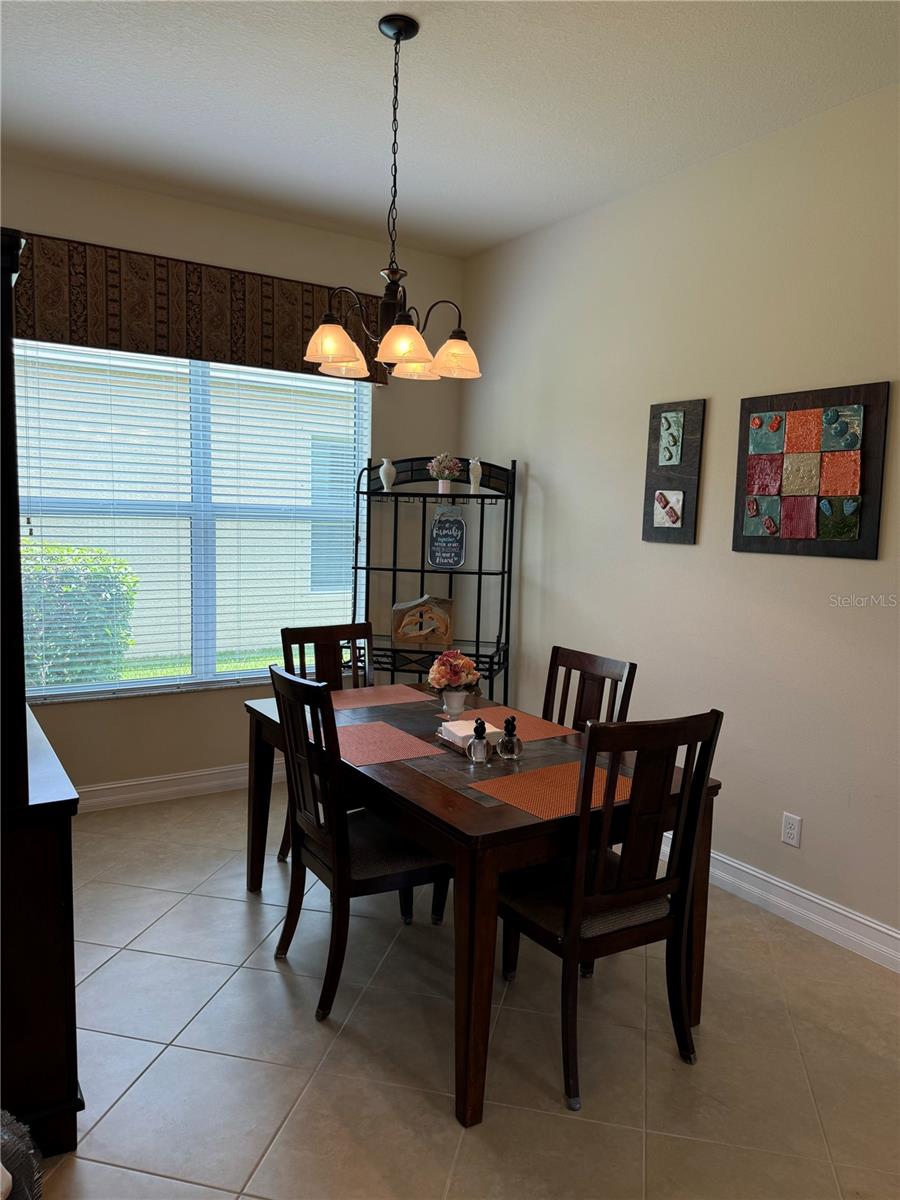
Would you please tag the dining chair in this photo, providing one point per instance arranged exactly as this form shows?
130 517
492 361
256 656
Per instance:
340 652
594 672
598 902
351 850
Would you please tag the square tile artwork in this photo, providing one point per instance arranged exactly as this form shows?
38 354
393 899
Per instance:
667 508
803 474
671 436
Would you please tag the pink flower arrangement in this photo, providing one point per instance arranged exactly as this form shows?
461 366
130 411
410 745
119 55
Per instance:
444 466
453 672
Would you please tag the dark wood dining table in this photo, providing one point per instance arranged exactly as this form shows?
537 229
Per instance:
432 800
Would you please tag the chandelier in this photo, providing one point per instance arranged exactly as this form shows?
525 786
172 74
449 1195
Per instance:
401 345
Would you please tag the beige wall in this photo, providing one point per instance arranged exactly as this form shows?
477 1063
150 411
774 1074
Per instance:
108 740
770 269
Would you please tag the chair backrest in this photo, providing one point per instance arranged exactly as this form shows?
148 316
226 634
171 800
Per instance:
337 650
594 673
602 882
312 758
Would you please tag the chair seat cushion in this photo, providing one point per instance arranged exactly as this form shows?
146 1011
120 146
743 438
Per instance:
541 894
376 849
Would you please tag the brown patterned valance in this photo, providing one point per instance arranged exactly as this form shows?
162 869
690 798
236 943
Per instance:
86 295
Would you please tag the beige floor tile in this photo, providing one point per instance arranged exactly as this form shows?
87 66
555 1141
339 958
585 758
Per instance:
230 882
366 946
385 907
222 931
615 993
167 865
93 853
845 1018
422 960
270 1016
88 957
349 1140
858 1098
801 954
682 1169
131 821
525 1067
746 1095
736 1006
81 1179
219 820
516 1155
147 995
858 1183
106 1067
398 1039
204 1118
113 914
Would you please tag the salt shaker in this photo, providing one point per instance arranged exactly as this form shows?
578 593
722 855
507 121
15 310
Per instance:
510 745
479 748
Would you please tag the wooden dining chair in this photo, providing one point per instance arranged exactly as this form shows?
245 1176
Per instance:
599 902
352 851
594 673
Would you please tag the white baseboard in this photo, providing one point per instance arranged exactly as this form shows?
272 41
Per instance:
168 787
843 926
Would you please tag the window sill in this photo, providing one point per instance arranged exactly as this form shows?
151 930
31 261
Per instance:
256 680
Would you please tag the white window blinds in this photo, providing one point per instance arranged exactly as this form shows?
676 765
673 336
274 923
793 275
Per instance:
176 514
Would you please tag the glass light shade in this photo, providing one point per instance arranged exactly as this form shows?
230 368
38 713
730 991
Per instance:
403 344
408 370
456 359
358 369
330 344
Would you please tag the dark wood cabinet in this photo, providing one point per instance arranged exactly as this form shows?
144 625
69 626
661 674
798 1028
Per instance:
39 1070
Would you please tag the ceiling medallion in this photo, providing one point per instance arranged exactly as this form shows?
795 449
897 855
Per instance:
401 345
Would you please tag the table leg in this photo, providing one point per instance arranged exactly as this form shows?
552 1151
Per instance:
259 792
475 934
699 906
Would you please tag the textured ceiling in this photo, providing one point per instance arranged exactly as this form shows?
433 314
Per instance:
512 114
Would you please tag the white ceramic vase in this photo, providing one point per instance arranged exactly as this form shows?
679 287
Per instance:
443 487
388 473
454 703
474 476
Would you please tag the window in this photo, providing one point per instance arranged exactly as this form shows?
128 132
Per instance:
176 514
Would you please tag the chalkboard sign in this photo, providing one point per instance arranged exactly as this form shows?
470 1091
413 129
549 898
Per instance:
447 540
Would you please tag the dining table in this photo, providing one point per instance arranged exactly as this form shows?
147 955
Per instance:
482 819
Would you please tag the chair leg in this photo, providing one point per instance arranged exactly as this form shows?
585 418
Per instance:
510 950
284 848
340 927
569 1008
676 986
406 895
587 969
439 900
295 903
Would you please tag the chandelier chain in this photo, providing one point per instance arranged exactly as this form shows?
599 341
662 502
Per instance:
392 211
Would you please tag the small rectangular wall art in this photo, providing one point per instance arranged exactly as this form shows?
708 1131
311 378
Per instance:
809 472
672 481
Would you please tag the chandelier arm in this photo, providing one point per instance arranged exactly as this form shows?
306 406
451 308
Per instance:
432 307
358 304
414 312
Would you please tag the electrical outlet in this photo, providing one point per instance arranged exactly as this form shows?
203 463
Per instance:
791 826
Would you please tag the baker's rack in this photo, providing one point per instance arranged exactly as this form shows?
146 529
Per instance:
483 592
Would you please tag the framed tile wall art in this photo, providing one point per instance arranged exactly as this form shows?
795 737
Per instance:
809 472
672 480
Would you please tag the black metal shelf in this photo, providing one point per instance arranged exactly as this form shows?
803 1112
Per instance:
490 654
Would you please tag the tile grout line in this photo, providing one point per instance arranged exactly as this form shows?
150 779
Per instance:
317 1069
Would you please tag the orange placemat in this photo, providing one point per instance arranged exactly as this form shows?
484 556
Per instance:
370 697
529 728
549 792
378 742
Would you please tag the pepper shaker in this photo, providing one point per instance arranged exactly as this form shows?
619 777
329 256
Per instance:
510 745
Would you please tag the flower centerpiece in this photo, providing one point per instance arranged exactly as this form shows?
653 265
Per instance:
453 674
443 468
